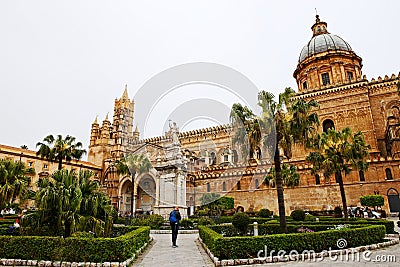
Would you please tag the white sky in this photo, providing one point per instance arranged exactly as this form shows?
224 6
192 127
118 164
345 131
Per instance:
64 62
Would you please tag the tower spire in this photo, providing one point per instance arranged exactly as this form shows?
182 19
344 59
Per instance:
125 94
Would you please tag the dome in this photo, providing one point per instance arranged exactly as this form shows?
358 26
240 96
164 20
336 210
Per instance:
322 43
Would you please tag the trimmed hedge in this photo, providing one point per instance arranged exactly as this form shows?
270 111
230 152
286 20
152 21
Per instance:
248 247
322 220
65 249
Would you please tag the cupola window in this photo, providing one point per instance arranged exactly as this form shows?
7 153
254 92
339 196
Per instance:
325 79
305 85
349 76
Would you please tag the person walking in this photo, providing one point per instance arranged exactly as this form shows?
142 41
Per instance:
174 218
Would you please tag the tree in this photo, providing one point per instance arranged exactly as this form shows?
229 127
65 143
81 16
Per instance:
248 133
280 125
288 123
69 202
290 175
133 164
334 153
24 147
60 149
14 181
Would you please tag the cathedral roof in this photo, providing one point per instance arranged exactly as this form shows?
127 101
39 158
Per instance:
322 41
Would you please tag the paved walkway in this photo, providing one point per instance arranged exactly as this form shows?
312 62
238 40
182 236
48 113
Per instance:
189 252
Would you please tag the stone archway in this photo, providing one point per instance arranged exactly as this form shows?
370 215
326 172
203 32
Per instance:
126 196
394 200
146 194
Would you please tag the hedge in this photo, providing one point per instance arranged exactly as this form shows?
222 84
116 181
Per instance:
249 246
389 225
65 249
322 220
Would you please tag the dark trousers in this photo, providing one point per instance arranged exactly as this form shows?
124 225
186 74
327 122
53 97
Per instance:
174 228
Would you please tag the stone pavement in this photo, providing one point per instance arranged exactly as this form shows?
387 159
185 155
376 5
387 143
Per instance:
189 252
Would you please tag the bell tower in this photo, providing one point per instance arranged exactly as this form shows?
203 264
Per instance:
122 122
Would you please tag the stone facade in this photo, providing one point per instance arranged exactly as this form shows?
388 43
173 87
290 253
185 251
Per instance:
328 71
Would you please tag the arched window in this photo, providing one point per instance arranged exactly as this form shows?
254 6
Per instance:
389 174
208 187
328 124
317 179
238 185
258 153
213 158
257 184
224 186
361 174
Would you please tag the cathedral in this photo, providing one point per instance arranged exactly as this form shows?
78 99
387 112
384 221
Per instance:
328 71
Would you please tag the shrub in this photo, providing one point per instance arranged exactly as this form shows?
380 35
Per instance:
337 212
372 200
154 221
298 215
205 221
82 235
249 246
186 224
241 221
226 202
264 213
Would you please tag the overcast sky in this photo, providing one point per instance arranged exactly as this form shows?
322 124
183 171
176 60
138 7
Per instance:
62 63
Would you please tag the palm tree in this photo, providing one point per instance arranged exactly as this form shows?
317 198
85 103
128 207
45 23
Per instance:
334 152
14 181
248 132
133 164
290 175
68 202
281 125
60 149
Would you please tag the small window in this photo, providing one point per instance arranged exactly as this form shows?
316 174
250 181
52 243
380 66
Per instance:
362 177
45 166
208 187
224 186
257 184
30 164
226 158
305 85
325 79
388 174
349 76
238 185
328 124
317 179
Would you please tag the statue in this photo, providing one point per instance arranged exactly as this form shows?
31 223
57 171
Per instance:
174 130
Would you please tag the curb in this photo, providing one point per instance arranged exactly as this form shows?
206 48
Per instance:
394 239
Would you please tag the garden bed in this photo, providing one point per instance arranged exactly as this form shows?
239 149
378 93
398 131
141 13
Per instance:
240 247
75 249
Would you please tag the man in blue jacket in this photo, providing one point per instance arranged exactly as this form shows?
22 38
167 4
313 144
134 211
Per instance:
174 218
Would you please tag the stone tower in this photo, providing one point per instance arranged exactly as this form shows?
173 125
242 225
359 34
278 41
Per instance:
122 123
110 140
